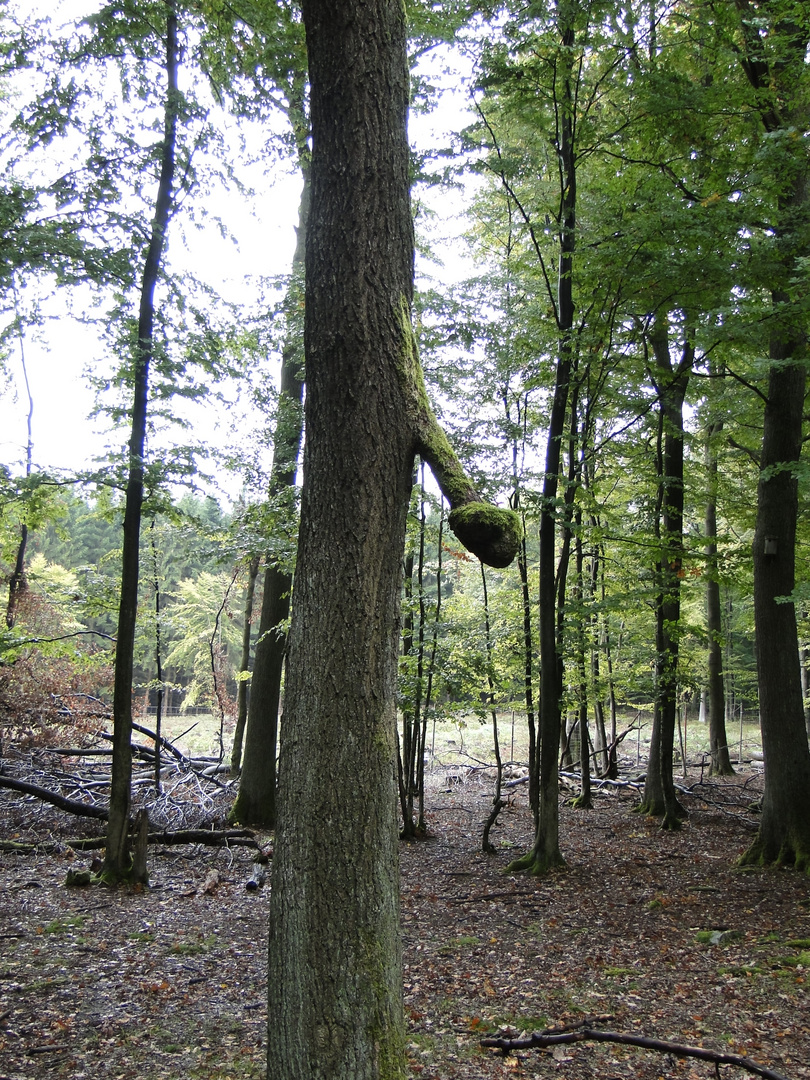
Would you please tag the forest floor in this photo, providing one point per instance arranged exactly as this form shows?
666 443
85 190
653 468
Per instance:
170 982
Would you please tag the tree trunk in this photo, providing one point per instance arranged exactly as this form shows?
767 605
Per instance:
18 582
244 667
255 803
784 831
659 790
158 656
117 859
545 853
803 660
335 1008
584 800
718 739
777 73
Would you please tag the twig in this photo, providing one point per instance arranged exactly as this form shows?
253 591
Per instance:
541 1039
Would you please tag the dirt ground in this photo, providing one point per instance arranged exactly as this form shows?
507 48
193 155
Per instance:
170 982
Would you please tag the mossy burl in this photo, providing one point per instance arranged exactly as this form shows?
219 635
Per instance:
488 531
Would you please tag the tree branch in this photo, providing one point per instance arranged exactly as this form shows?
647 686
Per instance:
543 1039
72 806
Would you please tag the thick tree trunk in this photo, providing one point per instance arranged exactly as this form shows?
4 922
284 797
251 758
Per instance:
335 993
117 858
784 831
777 71
335 978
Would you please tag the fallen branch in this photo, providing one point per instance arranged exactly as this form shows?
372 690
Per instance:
208 837
76 751
72 806
543 1039
167 744
240 837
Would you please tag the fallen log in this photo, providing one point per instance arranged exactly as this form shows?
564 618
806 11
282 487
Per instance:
207 837
543 1039
72 806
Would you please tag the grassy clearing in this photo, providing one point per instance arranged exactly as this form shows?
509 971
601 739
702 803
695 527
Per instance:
466 741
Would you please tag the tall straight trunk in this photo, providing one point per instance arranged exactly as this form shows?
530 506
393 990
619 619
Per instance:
803 661
659 790
545 853
117 860
158 655
335 1009
718 739
244 666
777 71
18 583
498 803
431 669
600 737
784 830
528 679
584 800
255 802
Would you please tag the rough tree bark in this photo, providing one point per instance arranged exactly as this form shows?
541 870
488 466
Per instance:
774 60
718 740
117 858
335 979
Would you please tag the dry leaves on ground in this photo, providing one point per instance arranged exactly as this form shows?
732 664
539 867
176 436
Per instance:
170 982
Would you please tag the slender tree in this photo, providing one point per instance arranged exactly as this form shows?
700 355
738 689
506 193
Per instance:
718 740
670 381
117 859
244 665
545 853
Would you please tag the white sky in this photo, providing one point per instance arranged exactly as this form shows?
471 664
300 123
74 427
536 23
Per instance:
58 355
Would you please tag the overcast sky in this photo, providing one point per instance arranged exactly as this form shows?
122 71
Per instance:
59 354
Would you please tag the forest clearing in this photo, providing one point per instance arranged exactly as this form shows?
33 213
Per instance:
170 981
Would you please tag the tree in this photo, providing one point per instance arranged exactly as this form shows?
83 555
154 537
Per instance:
772 42
117 858
718 739
670 383
258 53
335 989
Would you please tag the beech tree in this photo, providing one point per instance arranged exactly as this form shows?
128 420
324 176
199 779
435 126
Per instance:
335 980
772 39
118 861
670 382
